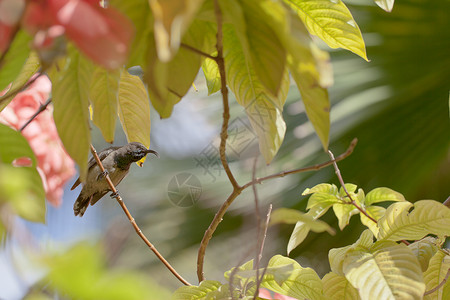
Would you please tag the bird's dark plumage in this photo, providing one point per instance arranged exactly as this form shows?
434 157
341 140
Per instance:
117 162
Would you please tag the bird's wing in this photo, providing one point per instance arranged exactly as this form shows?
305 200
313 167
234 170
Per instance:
91 163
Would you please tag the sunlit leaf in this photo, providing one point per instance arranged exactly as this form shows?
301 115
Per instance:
383 194
436 272
104 92
196 292
426 217
324 199
263 110
337 287
376 212
387 5
424 249
14 59
303 283
344 212
30 67
299 234
172 18
337 256
212 75
332 22
322 188
134 109
292 216
70 97
386 270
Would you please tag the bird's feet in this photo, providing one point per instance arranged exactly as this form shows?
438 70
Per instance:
115 195
102 175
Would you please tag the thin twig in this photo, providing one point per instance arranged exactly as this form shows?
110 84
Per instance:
41 108
221 212
353 202
199 52
261 247
133 222
259 238
439 285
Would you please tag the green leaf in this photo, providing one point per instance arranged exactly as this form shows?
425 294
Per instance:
212 75
30 67
332 22
424 249
436 272
337 256
138 11
322 188
20 186
303 283
324 199
375 212
171 18
196 292
384 271
337 287
169 82
134 109
80 274
350 187
344 212
387 5
299 234
104 92
14 59
70 97
267 54
263 109
292 216
382 194
427 217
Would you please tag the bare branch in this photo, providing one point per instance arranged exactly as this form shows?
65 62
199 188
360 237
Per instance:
133 222
199 52
261 247
353 202
41 108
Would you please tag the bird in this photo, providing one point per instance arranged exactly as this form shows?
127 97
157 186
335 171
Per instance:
117 162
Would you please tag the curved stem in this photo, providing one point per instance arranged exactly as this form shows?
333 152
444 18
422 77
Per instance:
133 222
439 285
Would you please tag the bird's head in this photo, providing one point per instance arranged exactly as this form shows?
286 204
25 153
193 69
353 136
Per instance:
137 151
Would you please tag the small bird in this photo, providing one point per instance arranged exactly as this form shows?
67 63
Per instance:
117 162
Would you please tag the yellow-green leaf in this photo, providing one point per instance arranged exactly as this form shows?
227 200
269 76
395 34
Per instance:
427 217
134 109
30 67
384 271
172 18
337 287
104 92
382 194
436 272
70 97
387 5
337 256
263 109
212 75
14 59
424 249
299 234
292 216
321 188
196 292
303 283
375 212
344 212
332 22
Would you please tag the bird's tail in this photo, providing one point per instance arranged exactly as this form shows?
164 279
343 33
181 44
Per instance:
81 204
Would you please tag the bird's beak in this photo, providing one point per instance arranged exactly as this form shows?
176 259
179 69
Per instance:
153 152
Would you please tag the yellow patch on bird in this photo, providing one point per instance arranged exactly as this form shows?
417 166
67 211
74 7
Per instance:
141 162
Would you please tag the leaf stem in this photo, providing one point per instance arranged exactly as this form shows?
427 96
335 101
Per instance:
439 285
133 222
199 52
353 202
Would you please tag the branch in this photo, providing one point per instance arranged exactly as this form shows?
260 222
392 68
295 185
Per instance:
133 222
199 52
261 247
41 108
237 191
439 285
353 202
12 94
